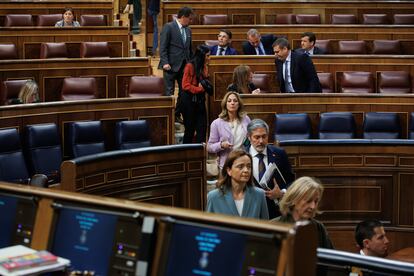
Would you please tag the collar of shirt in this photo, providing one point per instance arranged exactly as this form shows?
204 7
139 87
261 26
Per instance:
253 152
362 252
179 24
224 49
261 47
255 166
289 57
311 51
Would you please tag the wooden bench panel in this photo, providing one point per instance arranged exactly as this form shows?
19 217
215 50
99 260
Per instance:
112 74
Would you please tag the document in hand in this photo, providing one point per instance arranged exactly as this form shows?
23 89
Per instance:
267 177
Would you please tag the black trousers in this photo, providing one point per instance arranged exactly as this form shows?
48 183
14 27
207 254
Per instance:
169 82
194 113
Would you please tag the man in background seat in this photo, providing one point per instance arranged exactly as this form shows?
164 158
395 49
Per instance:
257 44
371 239
307 44
223 48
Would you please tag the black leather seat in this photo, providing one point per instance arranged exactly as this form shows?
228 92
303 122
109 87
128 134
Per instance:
18 20
8 51
344 19
85 138
337 125
214 19
308 19
93 20
94 50
394 82
357 82
48 19
132 134
381 125
12 164
292 127
327 82
53 50
411 126
43 150
145 86
386 47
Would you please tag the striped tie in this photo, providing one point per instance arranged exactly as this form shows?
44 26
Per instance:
183 34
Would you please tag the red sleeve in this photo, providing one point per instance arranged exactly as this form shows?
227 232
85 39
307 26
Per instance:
190 82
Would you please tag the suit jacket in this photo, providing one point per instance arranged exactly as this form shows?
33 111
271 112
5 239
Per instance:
267 41
173 51
279 157
220 131
229 51
254 203
316 51
302 72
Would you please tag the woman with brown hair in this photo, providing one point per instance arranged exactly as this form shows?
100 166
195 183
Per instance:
229 130
242 81
235 193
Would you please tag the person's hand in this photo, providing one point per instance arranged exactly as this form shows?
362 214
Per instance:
275 193
226 145
199 85
256 91
166 67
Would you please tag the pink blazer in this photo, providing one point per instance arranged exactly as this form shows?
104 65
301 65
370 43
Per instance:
220 131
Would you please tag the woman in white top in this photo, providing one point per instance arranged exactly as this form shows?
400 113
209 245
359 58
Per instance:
235 194
67 20
229 130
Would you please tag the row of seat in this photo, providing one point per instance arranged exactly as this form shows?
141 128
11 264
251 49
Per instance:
22 20
369 19
60 50
38 150
85 88
340 125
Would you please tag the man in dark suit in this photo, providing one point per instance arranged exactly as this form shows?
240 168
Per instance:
175 52
263 155
295 72
257 44
223 48
307 44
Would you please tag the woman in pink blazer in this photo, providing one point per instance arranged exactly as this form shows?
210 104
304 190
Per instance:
229 130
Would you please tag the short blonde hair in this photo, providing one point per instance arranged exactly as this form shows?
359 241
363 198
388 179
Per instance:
28 90
302 188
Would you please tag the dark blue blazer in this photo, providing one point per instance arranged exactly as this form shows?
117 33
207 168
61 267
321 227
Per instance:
229 51
267 41
302 72
316 51
280 158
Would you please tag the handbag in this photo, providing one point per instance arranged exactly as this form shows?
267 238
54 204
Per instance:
208 87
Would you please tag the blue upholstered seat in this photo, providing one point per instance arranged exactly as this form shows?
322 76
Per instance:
381 125
43 149
337 125
85 138
132 134
12 164
292 127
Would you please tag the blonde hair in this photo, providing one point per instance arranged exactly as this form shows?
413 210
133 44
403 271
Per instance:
28 90
302 188
241 76
225 113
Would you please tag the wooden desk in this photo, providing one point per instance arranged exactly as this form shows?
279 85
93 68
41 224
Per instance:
201 33
361 181
404 255
266 105
28 39
112 74
265 11
159 112
36 7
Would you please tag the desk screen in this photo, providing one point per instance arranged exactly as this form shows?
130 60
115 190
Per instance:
196 249
102 241
17 216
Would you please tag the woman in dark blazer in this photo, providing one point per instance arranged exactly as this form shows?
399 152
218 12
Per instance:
235 193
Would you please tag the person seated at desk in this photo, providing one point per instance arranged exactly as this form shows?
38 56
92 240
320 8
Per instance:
307 43
301 203
242 81
29 93
235 193
223 48
295 72
371 238
257 44
67 20
229 130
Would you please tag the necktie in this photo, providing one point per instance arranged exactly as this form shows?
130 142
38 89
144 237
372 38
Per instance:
183 34
307 52
260 51
286 77
262 167
221 51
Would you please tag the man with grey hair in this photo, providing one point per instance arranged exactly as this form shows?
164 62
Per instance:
264 156
257 44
